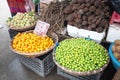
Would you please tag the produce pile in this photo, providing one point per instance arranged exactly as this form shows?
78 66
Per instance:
22 20
30 42
116 49
54 15
91 15
79 54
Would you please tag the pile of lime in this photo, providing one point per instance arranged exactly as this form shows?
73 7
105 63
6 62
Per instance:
81 55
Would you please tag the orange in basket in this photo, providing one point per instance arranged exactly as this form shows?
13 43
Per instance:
30 42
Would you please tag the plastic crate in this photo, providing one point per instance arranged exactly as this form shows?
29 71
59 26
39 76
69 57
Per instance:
72 77
115 62
41 65
12 33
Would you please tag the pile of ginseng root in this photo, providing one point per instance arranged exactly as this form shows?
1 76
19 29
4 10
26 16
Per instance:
54 15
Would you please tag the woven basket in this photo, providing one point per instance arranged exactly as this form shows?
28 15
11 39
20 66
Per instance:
23 28
36 54
76 73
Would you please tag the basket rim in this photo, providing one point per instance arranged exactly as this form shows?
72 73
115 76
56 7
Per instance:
35 54
76 73
23 28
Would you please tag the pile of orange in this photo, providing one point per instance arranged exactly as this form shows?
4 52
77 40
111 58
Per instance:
30 42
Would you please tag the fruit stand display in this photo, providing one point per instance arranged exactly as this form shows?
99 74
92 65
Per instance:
76 58
27 44
80 57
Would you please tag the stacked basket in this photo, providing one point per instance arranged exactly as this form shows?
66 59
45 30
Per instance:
40 62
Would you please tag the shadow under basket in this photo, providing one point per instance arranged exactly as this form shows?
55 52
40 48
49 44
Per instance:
72 77
42 65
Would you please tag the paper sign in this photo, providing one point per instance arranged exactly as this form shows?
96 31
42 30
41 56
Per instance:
46 1
41 28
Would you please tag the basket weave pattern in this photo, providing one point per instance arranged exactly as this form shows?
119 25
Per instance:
76 73
72 77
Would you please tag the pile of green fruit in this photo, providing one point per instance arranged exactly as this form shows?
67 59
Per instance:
21 20
81 55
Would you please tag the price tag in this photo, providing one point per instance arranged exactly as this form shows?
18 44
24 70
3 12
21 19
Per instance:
115 18
46 1
41 28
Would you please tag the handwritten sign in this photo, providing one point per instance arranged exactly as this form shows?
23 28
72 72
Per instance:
41 28
46 1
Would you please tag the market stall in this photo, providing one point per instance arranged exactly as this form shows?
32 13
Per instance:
68 34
